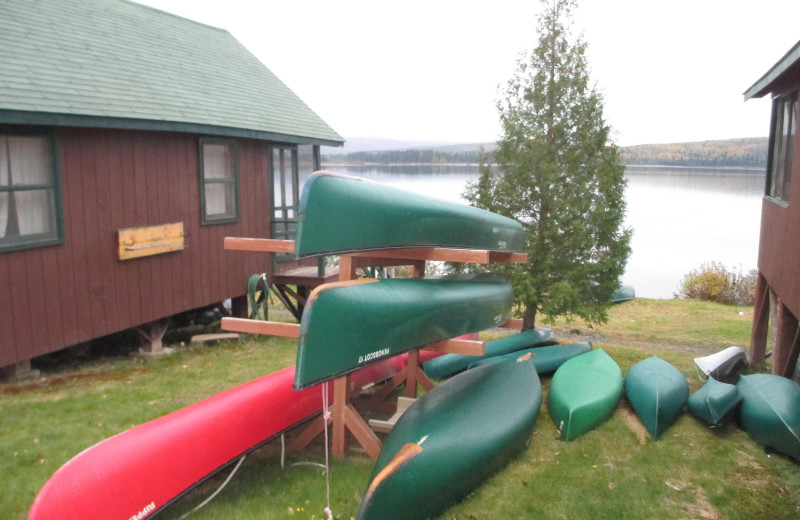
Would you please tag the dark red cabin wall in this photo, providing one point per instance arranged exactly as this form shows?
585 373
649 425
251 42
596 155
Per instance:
779 248
111 179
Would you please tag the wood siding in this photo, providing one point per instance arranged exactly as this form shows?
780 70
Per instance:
61 295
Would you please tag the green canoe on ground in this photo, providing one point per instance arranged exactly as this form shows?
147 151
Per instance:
348 325
451 439
545 359
714 401
624 293
340 214
584 393
658 392
770 411
449 364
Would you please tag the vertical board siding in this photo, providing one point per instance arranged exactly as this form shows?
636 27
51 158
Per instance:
113 179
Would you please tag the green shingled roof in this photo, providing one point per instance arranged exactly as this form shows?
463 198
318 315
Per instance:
117 64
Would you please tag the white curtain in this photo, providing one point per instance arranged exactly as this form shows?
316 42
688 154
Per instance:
25 161
218 165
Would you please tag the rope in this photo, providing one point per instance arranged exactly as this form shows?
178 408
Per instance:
326 414
215 493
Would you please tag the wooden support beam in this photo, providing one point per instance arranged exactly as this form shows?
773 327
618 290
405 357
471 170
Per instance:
263 245
513 323
466 347
341 400
270 328
442 254
758 337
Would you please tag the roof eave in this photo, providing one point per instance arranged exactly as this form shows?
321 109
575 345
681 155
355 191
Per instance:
20 117
763 86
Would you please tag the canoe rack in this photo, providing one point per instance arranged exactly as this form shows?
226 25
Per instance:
344 416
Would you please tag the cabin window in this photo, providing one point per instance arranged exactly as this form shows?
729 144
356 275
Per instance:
29 194
291 166
220 180
784 126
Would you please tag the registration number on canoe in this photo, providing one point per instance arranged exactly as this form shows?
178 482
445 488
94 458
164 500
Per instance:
373 355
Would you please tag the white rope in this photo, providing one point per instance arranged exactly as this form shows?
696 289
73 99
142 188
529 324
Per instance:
326 414
215 493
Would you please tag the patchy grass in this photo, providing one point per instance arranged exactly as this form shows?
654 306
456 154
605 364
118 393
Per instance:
615 471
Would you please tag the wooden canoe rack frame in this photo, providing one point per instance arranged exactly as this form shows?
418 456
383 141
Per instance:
344 415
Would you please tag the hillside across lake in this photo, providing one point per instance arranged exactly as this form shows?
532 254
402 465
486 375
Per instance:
728 153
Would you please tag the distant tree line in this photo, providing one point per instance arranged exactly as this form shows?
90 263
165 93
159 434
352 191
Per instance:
741 153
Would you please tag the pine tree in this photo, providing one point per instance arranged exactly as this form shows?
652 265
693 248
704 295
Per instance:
557 172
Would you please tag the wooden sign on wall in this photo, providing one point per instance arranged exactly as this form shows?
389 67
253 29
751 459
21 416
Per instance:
150 240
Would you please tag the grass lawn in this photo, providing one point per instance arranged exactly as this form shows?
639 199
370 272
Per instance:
613 472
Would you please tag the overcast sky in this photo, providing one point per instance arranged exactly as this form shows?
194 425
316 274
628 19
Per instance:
429 70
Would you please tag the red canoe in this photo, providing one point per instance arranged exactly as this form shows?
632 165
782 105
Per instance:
141 470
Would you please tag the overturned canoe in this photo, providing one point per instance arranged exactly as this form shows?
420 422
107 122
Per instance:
657 392
449 364
714 401
348 325
770 411
450 440
725 365
624 293
138 472
584 393
545 359
371 215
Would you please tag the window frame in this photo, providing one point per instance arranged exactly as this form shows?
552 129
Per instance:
233 181
284 167
781 148
56 234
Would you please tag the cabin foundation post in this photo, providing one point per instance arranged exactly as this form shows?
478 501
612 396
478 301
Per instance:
787 340
758 338
152 334
18 371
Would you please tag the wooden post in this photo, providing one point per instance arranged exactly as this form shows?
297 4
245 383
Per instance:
758 338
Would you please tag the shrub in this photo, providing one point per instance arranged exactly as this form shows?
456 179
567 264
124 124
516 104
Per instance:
714 282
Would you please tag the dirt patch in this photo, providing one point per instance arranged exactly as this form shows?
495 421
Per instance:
700 507
633 422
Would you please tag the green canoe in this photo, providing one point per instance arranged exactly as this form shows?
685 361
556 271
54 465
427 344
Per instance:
449 364
339 214
658 392
348 325
545 359
714 401
625 293
584 393
451 439
770 411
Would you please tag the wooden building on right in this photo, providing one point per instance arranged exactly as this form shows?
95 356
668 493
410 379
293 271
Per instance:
778 290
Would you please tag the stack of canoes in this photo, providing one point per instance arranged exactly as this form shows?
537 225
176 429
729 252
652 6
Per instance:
584 393
658 392
545 359
714 401
453 438
449 364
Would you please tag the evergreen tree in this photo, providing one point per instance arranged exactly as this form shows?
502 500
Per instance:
558 173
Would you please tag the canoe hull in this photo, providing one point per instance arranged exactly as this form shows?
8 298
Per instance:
584 393
545 359
347 326
371 215
449 364
144 469
770 411
714 401
464 430
658 393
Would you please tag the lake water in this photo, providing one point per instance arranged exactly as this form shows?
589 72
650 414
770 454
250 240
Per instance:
680 218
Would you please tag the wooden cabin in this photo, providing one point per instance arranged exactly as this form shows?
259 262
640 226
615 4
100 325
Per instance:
779 249
132 141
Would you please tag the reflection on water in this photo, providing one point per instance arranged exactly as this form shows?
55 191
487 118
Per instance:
680 218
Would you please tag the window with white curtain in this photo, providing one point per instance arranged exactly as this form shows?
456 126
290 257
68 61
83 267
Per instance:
220 180
29 205
779 170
